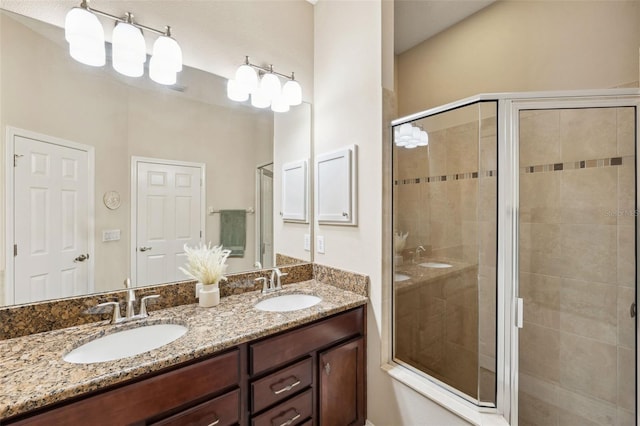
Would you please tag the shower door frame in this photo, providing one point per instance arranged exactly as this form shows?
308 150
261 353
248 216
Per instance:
509 203
509 106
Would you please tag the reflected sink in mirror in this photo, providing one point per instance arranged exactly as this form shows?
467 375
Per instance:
400 277
437 265
288 303
126 343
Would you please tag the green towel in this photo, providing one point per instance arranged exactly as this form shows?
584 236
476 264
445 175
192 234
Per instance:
233 231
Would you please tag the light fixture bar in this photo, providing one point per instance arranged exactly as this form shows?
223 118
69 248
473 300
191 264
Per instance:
128 18
268 69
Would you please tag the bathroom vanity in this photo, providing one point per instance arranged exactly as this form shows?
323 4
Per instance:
309 373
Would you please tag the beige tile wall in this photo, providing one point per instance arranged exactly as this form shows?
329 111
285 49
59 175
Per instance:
577 268
446 327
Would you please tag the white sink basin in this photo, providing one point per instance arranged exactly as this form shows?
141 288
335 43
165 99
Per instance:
288 302
400 277
125 343
435 265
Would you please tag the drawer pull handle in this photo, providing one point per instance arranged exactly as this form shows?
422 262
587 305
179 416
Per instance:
292 419
215 423
288 387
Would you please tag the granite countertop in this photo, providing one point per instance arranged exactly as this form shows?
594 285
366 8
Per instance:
34 374
411 274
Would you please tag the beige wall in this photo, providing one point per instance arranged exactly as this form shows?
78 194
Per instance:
348 109
524 46
45 91
292 142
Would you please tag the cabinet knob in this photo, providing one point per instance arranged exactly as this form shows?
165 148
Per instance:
327 368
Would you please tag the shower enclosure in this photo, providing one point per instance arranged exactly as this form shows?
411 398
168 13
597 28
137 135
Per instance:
515 235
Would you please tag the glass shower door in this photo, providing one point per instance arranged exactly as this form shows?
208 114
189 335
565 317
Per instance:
577 266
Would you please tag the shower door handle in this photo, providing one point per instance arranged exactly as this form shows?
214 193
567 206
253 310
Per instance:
633 310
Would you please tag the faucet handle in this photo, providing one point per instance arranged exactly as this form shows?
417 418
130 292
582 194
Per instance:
265 288
115 318
143 304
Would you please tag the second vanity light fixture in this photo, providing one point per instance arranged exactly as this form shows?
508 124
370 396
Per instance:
265 91
410 136
85 35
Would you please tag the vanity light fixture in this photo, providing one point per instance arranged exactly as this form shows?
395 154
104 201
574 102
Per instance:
85 35
410 136
264 86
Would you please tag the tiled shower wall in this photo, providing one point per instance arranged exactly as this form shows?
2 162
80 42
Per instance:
577 267
445 197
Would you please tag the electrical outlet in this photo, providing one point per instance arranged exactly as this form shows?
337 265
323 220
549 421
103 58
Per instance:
320 244
111 235
307 242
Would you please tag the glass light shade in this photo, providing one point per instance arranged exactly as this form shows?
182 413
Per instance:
235 92
280 104
406 130
415 133
129 50
85 35
270 86
247 78
168 53
410 146
160 73
424 139
292 92
259 99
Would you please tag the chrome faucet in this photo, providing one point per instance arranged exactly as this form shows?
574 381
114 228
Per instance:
274 283
130 298
416 254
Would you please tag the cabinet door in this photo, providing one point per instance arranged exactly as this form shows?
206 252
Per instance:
342 384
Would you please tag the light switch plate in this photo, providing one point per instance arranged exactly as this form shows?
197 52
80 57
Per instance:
320 244
111 235
307 242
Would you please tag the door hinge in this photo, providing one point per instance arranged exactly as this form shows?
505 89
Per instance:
200 234
15 159
15 250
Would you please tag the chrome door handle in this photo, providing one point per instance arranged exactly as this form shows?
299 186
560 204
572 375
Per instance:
145 248
81 258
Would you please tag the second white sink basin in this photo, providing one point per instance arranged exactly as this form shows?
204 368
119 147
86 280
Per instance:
288 302
436 265
125 343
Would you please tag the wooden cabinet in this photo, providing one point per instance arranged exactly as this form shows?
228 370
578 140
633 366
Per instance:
312 375
342 384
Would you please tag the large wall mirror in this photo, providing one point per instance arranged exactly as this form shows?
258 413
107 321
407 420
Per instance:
155 167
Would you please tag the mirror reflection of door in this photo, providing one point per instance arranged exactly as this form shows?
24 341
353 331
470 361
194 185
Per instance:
167 214
52 218
265 218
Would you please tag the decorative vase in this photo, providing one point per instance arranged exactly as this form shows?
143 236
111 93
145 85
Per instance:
209 295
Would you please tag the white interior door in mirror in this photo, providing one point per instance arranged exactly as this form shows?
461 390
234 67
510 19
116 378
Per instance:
294 191
336 187
169 213
52 217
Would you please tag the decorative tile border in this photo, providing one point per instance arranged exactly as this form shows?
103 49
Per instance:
554 167
582 164
445 178
21 320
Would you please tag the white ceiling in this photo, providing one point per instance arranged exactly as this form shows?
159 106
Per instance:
418 20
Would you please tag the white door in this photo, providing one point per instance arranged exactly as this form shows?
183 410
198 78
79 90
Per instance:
169 214
51 221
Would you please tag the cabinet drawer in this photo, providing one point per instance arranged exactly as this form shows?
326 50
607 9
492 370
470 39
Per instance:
290 413
281 384
221 411
286 347
141 400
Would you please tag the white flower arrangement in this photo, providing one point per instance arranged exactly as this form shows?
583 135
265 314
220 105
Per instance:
399 241
206 263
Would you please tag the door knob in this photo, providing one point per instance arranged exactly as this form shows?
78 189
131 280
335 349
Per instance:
145 248
81 258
